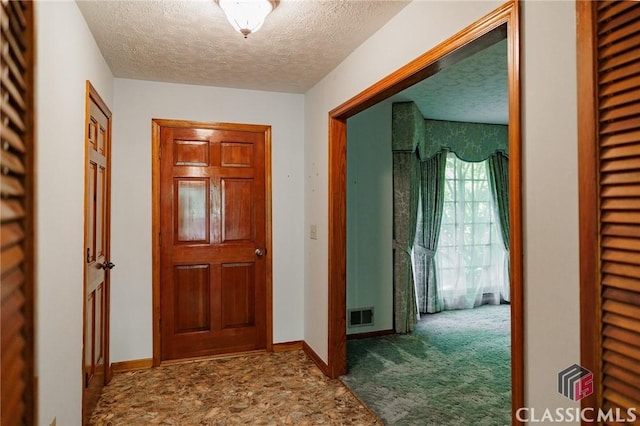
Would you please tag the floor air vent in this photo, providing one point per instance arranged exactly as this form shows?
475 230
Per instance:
361 316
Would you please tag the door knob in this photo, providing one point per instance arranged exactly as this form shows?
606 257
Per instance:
259 252
106 265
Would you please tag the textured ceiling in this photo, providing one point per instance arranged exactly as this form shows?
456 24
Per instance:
190 41
472 90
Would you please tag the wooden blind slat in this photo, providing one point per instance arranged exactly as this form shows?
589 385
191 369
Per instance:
622 374
620 178
621 230
15 47
630 298
619 399
10 186
11 283
621 243
10 307
628 150
620 204
619 164
620 269
619 86
11 138
620 33
622 72
15 70
629 110
614 9
621 282
622 348
11 234
620 217
620 125
604 26
11 258
10 210
621 256
615 62
623 389
621 46
611 101
12 354
619 360
16 8
16 96
621 335
10 163
604 4
620 138
621 190
12 114
621 308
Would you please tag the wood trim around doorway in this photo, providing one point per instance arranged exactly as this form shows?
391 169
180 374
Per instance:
502 22
156 125
588 159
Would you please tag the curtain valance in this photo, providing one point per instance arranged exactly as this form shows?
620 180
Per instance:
472 142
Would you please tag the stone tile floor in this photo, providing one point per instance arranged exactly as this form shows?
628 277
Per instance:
284 388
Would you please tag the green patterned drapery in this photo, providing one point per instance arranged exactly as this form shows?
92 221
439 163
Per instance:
499 184
406 184
432 180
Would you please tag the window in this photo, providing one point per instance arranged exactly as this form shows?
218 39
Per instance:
470 260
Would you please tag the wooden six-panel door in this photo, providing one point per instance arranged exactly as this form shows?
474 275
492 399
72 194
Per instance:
97 262
212 241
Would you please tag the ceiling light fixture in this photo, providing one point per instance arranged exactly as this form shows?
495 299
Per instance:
247 16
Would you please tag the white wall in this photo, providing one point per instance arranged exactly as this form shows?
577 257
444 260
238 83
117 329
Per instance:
550 170
370 216
67 56
136 103
552 334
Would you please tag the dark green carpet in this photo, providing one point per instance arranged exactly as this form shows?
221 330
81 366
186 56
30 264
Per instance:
454 369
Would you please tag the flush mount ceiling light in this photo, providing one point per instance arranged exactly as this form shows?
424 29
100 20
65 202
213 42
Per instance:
247 16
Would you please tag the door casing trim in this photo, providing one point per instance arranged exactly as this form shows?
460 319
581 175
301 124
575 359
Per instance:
449 51
156 125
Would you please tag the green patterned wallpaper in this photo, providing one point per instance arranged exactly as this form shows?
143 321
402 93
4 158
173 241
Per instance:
407 127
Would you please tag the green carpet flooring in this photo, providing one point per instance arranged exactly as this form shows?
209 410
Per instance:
454 369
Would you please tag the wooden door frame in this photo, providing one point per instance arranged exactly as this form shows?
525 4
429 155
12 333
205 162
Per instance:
93 95
588 199
156 125
450 51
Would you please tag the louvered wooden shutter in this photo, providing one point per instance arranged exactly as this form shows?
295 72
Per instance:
17 212
618 75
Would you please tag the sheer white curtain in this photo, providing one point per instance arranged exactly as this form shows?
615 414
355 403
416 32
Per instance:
470 261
